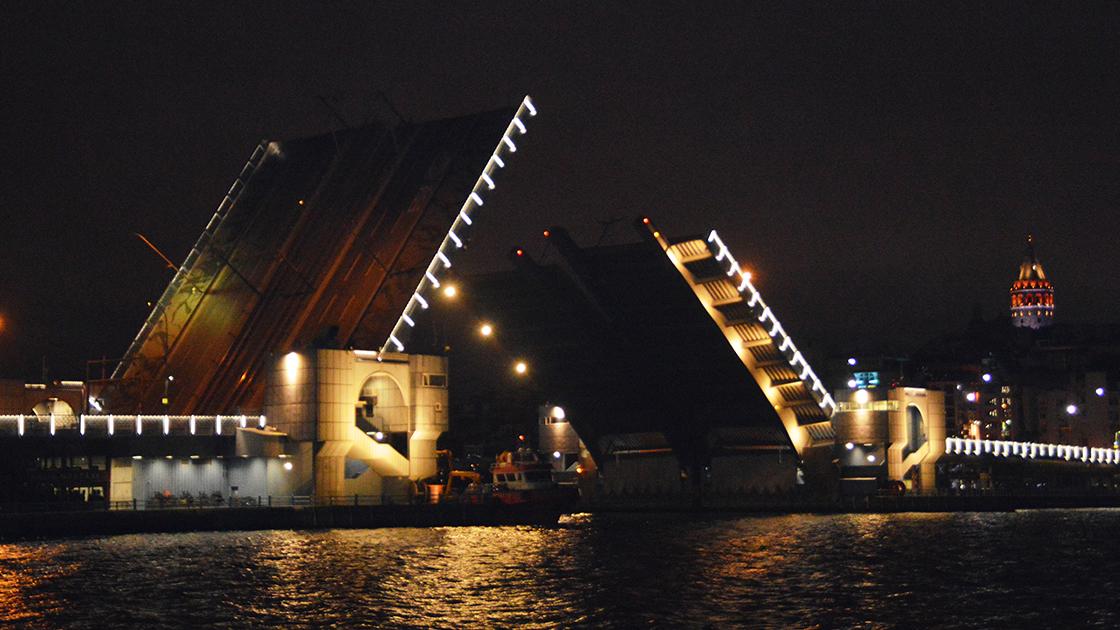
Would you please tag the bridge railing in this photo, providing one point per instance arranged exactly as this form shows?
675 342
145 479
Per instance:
110 425
204 502
1031 450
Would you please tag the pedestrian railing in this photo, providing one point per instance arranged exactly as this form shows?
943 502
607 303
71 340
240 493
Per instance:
207 503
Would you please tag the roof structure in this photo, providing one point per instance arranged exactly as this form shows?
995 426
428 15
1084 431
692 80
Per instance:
1030 268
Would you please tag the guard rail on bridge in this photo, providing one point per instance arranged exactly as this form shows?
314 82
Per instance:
131 424
1031 450
206 503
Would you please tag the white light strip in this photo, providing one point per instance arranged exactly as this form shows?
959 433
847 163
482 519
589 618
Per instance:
1031 450
193 425
166 425
776 331
484 179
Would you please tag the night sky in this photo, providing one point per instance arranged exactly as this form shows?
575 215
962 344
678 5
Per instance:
876 166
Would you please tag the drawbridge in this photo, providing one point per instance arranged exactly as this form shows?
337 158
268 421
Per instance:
319 242
752 329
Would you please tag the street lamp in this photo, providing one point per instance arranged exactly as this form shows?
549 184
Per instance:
486 330
520 368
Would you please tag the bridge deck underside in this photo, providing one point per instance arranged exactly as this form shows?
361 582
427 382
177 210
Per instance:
615 336
323 245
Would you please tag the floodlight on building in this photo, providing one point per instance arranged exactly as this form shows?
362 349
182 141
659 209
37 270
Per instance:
557 413
862 396
871 458
287 465
849 446
555 454
970 396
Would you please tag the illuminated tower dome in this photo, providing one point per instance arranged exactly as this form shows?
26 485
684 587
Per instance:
1032 295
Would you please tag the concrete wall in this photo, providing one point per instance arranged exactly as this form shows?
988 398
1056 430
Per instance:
758 473
315 396
642 475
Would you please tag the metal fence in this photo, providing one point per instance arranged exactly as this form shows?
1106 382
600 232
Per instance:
195 503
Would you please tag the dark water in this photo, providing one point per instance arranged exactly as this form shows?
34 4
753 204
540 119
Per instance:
1023 570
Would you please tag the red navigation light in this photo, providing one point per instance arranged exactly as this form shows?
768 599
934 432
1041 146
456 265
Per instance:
521 438
520 252
645 220
547 234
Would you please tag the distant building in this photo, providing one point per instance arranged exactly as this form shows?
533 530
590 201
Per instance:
1032 295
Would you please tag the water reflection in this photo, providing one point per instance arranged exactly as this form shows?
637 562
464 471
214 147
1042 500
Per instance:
966 570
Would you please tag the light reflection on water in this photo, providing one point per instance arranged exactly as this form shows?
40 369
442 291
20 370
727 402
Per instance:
952 570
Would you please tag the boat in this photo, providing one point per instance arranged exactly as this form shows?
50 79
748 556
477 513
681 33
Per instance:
520 478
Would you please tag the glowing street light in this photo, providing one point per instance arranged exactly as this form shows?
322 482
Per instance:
486 330
1071 409
449 291
987 378
520 368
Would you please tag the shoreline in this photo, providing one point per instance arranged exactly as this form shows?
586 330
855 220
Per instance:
49 525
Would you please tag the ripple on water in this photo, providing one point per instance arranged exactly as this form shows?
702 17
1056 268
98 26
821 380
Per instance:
952 570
